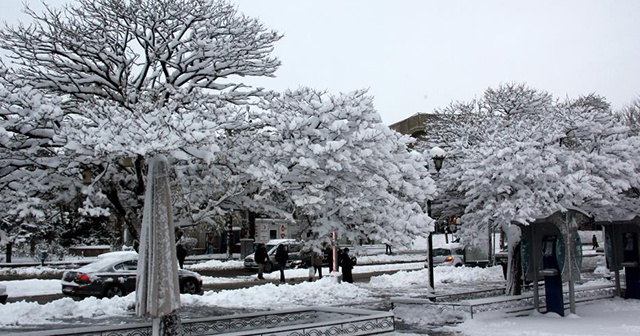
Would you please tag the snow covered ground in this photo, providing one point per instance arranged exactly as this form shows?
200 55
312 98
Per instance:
610 317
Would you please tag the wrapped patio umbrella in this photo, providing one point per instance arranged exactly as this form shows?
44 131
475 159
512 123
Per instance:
157 289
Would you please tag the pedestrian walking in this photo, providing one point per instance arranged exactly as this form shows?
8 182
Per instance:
594 242
317 260
261 259
388 249
306 257
181 251
347 263
281 257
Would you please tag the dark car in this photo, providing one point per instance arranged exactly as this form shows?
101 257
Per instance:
114 274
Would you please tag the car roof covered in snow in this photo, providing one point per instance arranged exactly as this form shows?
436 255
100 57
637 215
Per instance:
283 241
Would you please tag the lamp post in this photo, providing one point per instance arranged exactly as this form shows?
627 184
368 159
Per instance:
437 155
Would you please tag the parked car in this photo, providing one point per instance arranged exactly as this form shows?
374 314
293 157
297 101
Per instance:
293 247
3 294
114 274
452 255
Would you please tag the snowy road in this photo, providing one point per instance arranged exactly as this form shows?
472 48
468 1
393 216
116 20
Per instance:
404 280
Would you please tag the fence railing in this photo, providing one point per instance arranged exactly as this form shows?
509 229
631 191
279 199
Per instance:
318 321
509 304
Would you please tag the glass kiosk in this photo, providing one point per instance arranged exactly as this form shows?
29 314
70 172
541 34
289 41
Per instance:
552 276
630 263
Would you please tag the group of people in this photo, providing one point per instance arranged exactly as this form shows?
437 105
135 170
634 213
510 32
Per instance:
311 259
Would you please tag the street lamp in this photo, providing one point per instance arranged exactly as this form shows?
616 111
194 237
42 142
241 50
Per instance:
437 155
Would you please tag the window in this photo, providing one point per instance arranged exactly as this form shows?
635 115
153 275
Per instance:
295 247
130 265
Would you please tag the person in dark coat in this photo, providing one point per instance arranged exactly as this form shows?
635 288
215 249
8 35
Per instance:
594 242
328 251
181 251
281 257
261 259
317 260
347 264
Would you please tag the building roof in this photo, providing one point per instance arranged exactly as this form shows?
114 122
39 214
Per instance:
414 125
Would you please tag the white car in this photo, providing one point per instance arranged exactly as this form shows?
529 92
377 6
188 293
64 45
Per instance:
3 294
293 247
451 255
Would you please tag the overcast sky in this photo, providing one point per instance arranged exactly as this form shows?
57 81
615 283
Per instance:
416 55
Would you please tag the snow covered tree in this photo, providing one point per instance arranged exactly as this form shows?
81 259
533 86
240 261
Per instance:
33 175
340 168
528 155
135 78
630 114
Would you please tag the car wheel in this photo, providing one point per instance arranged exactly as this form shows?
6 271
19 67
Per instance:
458 265
112 291
190 286
268 267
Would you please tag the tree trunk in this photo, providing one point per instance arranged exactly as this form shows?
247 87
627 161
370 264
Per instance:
252 224
9 251
229 237
112 196
514 271
117 233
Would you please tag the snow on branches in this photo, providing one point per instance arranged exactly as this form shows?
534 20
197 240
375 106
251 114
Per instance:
131 51
533 155
342 168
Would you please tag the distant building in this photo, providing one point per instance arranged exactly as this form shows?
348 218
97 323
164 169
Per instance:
413 126
422 127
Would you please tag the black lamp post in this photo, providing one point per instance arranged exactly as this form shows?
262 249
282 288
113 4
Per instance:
437 155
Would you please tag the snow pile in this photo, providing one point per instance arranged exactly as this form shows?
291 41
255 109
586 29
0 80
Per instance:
467 274
613 317
363 260
30 313
458 275
323 292
28 271
29 287
216 265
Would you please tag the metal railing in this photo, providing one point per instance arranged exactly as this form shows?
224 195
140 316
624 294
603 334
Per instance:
294 322
510 304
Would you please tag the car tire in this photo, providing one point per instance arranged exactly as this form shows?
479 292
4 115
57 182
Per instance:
268 267
113 290
190 286
458 265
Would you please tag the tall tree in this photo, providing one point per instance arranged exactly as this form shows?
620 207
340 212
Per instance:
33 176
138 77
630 114
341 167
531 155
